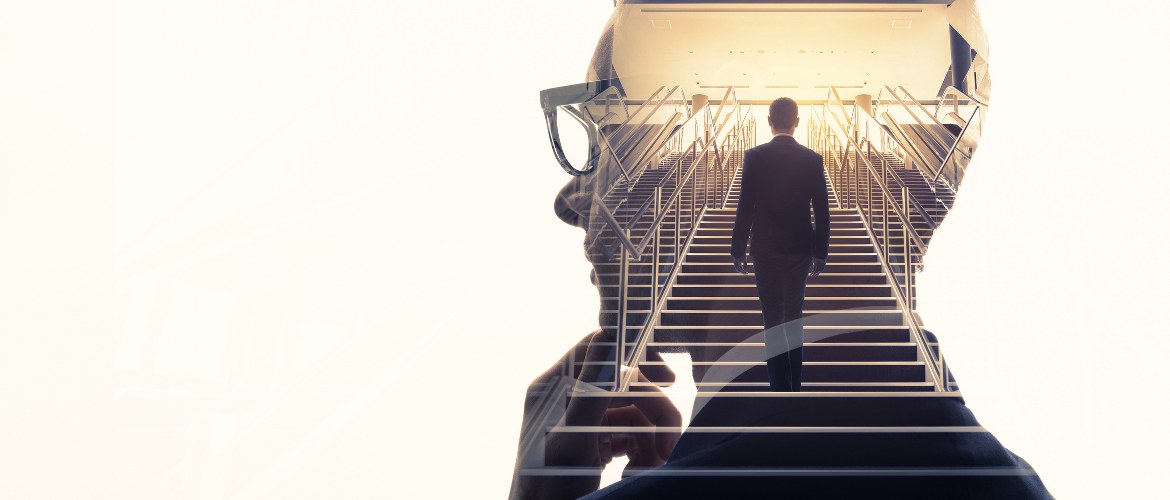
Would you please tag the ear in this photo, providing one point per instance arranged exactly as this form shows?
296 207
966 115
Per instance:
796 122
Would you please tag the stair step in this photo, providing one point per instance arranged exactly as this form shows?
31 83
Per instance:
858 317
846 387
748 303
841 372
823 278
813 351
812 333
748 290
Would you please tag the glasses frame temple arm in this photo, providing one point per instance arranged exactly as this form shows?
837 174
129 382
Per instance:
564 98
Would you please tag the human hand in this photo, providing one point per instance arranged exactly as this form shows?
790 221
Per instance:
740 264
593 410
644 449
816 266
599 425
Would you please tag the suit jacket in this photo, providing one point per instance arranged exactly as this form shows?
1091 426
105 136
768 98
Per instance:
1009 477
780 179
1014 478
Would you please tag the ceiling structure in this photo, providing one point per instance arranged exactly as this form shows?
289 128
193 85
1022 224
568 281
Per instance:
772 49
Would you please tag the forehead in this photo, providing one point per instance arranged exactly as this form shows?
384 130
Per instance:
796 48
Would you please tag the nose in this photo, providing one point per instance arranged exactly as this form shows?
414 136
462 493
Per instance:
573 201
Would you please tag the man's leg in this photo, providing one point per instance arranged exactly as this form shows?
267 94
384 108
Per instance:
795 280
778 278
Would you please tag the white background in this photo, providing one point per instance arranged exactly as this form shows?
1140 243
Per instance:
261 249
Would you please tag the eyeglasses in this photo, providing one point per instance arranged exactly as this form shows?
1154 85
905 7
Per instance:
579 102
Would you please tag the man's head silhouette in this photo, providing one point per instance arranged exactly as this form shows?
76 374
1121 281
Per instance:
782 115
826 56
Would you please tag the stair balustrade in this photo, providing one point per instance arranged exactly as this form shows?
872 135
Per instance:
888 215
693 164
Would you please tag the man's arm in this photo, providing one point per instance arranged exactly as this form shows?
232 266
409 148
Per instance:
745 210
593 450
820 204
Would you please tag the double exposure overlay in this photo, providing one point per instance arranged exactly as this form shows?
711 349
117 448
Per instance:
760 183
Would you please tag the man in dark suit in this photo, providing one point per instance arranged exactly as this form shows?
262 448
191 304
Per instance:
781 178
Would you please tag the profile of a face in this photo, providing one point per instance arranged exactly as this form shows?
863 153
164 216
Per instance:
891 102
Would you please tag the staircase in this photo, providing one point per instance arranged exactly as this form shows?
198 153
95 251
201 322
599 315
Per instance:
855 339
864 387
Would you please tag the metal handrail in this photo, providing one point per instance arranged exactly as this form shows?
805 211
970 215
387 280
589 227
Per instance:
640 343
854 126
957 94
951 152
607 96
660 140
980 109
953 94
936 367
934 172
636 249
722 102
672 131
720 162
932 132
613 150
615 226
631 135
902 216
738 139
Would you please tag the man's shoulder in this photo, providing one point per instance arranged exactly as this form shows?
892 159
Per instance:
792 148
809 152
756 149
804 154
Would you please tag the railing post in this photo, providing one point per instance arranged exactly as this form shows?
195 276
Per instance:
946 376
869 199
856 186
694 194
701 169
725 166
906 248
886 230
657 246
678 227
719 176
623 295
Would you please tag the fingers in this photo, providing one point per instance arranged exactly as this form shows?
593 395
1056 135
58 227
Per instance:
640 447
816 267
654 412
605 443
660 412
648 449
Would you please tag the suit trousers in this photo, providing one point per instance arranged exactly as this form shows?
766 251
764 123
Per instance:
781 280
